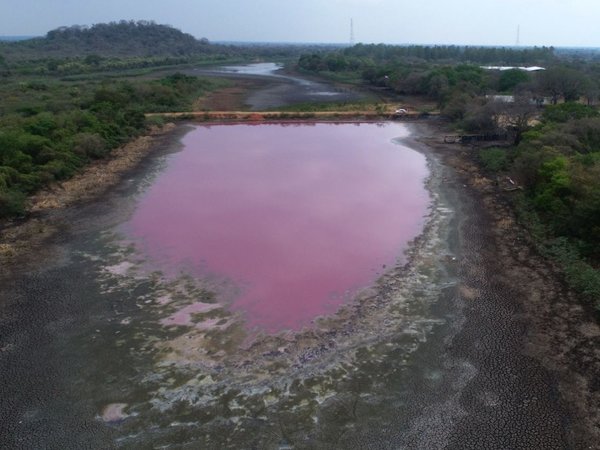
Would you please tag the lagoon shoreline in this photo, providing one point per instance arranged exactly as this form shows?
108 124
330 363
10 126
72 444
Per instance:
500 381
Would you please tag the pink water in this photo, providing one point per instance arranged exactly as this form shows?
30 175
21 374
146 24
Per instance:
298 216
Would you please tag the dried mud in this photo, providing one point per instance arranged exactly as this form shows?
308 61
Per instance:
513 284
474 343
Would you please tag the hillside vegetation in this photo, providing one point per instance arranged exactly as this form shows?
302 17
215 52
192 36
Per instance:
52 125
125 45
115 39
109 47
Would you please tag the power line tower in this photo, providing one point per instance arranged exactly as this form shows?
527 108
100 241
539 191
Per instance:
351 31
518 35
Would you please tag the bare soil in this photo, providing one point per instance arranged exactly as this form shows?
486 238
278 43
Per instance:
558 330
228 99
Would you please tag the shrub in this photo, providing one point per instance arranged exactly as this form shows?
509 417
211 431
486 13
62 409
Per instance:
90 145
579 274
494 159
12 203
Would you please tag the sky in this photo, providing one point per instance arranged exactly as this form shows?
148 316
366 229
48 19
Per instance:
466 22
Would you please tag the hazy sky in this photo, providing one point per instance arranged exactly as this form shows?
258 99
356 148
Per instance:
492 22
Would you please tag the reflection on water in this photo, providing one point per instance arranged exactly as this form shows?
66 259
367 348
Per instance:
298 217
122 355
253 69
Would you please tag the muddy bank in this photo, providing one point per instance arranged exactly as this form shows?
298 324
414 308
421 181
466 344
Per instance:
535 344
263 88
456 349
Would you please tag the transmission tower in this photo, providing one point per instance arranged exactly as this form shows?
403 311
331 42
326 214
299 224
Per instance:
351 31
518 35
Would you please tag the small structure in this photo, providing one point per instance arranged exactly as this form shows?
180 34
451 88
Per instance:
523 68
472 138
501 98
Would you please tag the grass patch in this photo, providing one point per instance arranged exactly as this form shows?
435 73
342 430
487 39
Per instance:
335 107
494 159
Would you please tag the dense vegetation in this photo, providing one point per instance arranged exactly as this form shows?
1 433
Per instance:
50 128
558 164
361 56
125 39
453 77
108 47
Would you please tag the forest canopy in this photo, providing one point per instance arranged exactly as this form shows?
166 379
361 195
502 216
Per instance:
124 38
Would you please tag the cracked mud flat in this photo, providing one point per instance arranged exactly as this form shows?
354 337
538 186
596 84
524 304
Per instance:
430 356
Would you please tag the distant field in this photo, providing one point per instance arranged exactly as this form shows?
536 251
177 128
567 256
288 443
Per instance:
15 38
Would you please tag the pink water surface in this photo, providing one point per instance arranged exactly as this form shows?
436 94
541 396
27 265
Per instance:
299 216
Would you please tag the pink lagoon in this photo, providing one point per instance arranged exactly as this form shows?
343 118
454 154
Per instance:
298 217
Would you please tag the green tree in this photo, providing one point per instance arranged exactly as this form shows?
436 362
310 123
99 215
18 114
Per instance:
561 81
509 79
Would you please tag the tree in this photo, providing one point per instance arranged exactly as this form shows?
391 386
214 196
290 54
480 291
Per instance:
567 111
93 60
562 82
518 115
482 117
457 106
509 79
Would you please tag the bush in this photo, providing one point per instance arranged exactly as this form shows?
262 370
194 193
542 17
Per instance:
157 121
494 159
579 274
90 145
12 203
